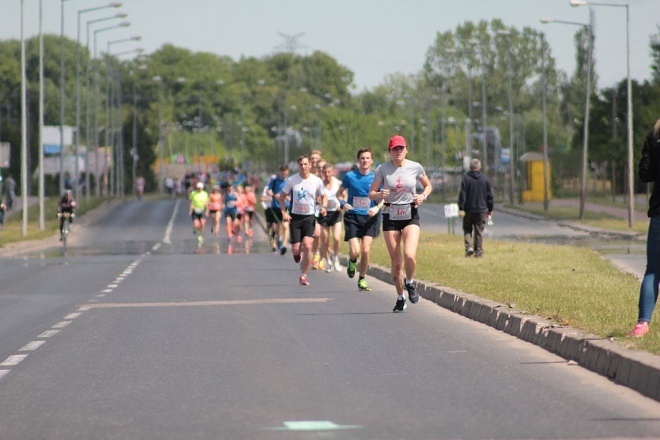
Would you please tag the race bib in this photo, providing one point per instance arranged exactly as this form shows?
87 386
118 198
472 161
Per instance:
400 212
199 211
301 209
361 202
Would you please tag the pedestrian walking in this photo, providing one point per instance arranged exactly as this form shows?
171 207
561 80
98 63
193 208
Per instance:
649 171
475 204
10 192
395 182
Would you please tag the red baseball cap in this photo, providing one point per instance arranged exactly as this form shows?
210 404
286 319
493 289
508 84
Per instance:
397 141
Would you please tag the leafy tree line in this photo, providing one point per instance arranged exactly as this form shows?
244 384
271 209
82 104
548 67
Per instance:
255 112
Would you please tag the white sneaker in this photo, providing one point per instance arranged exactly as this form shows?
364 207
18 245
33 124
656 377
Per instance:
328 265
336 263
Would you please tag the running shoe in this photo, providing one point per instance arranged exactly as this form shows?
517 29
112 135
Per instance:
321 265
328 266
469 252
315 261
303 280
400 305
412 293
282 250
200 240
363 286
350 270
640 329
296 258
336 263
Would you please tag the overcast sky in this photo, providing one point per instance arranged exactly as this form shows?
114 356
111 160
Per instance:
373 38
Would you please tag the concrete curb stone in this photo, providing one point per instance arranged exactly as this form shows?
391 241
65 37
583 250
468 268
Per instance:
633 369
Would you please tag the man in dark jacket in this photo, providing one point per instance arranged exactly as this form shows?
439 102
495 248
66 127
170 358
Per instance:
475 204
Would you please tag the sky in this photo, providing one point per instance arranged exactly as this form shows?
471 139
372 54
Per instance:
373 38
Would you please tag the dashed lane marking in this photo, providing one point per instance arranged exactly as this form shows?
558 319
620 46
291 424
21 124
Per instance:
13 360
31 346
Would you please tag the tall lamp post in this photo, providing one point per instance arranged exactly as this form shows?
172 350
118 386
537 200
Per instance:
585 137
77 144
89 138
24 168
512 155
631 190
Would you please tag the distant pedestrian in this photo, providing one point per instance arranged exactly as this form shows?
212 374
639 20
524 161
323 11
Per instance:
475 204
10 192
649 171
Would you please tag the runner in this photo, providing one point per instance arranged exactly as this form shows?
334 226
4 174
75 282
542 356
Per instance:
248 212
361 215
305 190
395 182
266 200
231 211
316 162
331 222
199 200
274 189
215 208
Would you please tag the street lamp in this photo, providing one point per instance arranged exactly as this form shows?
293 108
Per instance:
24 171
511 148
77 145
87 115
631 192
585 140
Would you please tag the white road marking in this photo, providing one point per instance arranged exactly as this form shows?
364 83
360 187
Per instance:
106 290
12 360
208 303
32 345
112 286
170 224
48 333
3 373
72 315
61 324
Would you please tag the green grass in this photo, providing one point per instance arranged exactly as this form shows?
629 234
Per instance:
11 232
594 219
570 285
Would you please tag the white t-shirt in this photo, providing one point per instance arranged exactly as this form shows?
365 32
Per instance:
401 181
331 194
303 193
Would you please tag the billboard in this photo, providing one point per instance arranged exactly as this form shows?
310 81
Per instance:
52 138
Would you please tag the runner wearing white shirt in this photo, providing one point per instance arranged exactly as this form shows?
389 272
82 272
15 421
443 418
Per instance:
331 222
304 189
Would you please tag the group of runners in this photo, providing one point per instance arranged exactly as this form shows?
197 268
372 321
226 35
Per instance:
235 202
306 209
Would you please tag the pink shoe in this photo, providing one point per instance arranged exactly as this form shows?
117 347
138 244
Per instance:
303 280
640 329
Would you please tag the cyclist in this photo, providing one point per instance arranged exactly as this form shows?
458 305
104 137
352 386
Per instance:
66 205
199 200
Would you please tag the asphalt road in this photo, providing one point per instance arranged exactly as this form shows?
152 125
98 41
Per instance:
136 333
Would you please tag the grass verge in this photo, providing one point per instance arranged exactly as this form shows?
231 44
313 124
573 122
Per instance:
571 285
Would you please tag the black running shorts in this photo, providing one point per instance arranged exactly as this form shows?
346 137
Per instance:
358 226
330 219
301 226
399 225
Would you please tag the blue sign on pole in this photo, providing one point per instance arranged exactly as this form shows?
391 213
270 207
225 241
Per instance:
505 155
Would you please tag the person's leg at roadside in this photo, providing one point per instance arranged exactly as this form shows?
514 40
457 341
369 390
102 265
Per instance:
393 243
479 226
353 254
410 239
315 247
336 237
324 250
365 249
648 292
467 234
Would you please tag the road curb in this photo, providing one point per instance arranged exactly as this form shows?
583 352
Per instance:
633 369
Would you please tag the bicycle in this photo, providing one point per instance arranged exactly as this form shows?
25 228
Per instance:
64 231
